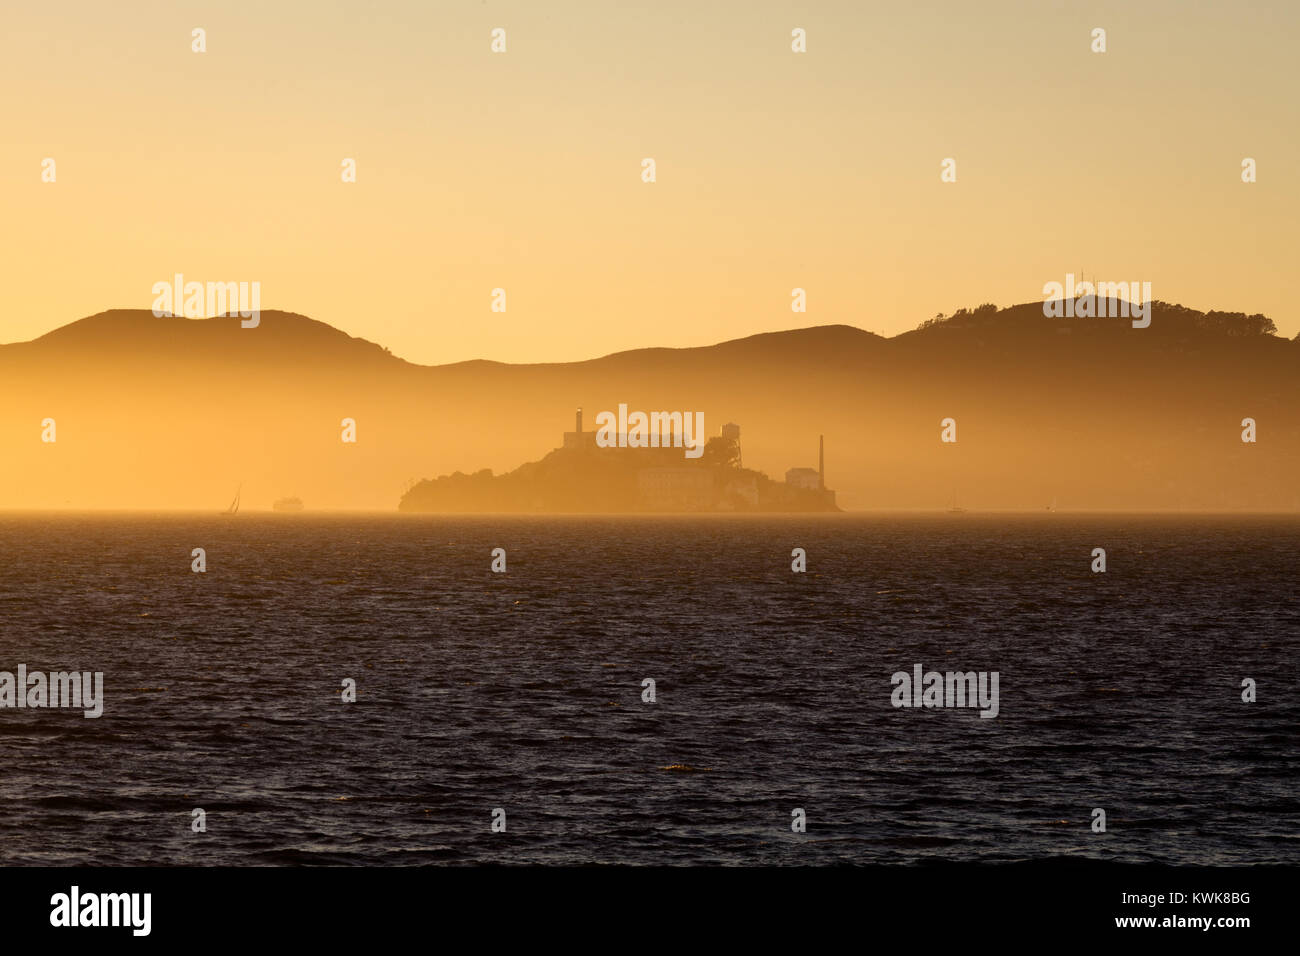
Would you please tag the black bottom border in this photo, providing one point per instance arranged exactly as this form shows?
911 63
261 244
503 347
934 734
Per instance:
946 904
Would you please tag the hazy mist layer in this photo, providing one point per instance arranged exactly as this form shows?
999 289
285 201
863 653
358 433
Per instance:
175 413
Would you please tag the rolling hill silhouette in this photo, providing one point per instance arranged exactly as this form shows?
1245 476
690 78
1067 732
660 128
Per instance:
175 413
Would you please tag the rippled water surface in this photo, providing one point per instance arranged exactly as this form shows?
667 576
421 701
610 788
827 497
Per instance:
523 690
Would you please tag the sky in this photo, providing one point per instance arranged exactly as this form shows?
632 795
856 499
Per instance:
522 170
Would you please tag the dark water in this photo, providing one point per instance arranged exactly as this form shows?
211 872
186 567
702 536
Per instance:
523 690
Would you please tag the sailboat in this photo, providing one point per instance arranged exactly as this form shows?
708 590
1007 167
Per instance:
954 510
234 505
1052 507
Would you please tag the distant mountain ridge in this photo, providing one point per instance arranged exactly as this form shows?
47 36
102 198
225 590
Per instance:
137 327
141 332
172 412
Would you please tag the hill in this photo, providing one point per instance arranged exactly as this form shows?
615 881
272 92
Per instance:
170 412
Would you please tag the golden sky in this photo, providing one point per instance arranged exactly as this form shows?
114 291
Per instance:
522 170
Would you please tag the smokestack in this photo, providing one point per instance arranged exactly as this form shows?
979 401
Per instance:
578 425
821 461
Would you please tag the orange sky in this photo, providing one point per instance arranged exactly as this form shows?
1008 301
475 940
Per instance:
522 170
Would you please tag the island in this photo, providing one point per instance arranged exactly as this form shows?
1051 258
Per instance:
580 476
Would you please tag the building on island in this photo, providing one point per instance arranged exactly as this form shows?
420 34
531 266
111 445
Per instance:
806 478
658 476
813 479
577 439
675 488
716 481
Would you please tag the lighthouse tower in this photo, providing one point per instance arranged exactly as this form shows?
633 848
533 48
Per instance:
578 439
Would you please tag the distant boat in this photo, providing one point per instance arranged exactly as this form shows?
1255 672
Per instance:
234 505
954 509
1052 507
287 504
